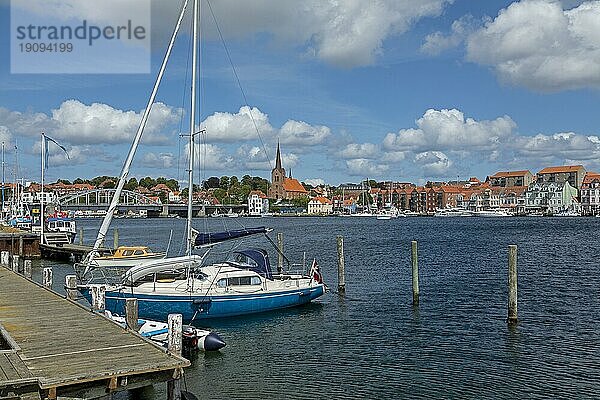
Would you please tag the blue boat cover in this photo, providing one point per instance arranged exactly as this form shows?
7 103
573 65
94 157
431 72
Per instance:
205 238
261 263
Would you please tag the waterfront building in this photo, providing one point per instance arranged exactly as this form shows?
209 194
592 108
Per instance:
590 194
174 197
573 174
258 203
320 205
511 178
282 187
551 197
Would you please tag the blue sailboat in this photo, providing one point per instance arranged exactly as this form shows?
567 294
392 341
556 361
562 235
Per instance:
243 284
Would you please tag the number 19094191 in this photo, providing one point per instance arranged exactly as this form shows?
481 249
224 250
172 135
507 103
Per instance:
46 47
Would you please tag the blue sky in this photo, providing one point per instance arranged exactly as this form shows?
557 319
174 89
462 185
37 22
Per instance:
395 89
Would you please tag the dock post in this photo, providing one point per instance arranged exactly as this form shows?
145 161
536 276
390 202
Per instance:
174 346
280 252
131 313
4 258
27 269
47 277
512 284
115 238
71 287
81 236
415 272
20 246
341 265
15 263
98 298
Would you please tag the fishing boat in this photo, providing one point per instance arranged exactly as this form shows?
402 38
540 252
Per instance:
491 213
186 285
61 222
127 256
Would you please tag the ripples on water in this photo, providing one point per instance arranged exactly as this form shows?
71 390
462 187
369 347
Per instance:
374 344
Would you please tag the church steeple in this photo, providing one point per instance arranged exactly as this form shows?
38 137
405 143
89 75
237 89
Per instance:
278 160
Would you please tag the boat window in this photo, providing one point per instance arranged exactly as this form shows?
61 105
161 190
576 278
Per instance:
255 280
127 252
222 283
138 252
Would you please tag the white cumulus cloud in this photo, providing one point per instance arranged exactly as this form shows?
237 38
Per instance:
433 163
314 181
450 130
365 168
160 160
359 150
540 45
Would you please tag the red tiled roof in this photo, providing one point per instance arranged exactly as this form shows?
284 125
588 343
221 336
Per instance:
591 176
292 185
258 193
561 169
507 174
322 200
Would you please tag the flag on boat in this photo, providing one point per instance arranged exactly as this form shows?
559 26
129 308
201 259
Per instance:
46 155
315 273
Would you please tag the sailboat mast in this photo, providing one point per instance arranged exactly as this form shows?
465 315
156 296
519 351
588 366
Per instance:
42 190
192 130
125 172
2 212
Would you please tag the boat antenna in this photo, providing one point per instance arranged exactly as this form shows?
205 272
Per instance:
125 172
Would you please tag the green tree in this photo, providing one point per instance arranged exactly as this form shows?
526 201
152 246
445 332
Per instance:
233 181
147 182
131 184
220 194
212 183
172 184
78 181
247 180
224 182
66 182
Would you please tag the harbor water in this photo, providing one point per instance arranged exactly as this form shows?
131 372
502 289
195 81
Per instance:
373 343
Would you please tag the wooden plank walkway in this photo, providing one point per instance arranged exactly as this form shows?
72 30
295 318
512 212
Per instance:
63 346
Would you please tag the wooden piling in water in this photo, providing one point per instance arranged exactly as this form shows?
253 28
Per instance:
98 298
47 277
20 246
174 346
81 236
415 271
15 263
131 313
280 252
341 265
512 284
115 238
71 287
27 268
4 258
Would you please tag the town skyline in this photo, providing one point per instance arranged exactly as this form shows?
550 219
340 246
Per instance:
425 93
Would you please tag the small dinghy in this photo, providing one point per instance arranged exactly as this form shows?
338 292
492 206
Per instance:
193 338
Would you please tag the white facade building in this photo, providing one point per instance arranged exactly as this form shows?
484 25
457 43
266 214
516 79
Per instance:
258 203
320 205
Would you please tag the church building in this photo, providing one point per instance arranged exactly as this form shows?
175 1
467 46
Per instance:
283 187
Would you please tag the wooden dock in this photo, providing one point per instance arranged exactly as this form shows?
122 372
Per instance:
51 346
68 251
